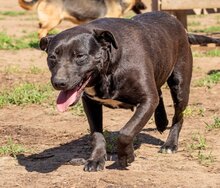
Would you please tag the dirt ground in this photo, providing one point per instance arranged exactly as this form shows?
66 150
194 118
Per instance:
55 138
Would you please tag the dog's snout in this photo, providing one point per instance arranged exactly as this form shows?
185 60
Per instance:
60 84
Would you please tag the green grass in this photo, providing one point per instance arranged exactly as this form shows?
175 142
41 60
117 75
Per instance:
214 125
26 93
6 42
78 109
30 40
10 43
35 70
209 80
53 32
12 13
188 112
111 141
198 149
12 149
11 69
205 158
14 69
212 29
210 53
213 53
198 142
194 23
191 111
30 93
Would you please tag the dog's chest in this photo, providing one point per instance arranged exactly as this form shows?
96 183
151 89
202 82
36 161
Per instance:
92 93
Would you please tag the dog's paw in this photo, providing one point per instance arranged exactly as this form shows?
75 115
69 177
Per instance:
125 160
94 165
168 149
126 156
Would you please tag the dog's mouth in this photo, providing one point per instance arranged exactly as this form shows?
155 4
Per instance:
72 96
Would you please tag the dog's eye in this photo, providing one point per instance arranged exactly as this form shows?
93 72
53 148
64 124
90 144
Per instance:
80 56
57 51
52 60
52 57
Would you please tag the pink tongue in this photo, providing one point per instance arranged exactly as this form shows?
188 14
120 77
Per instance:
65 99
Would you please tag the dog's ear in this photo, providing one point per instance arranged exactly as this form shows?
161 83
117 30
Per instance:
105 38
44 42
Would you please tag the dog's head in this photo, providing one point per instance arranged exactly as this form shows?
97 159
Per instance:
74 59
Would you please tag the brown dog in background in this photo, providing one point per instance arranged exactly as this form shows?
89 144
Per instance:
51 13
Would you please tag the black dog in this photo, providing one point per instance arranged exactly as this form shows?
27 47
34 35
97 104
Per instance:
123 63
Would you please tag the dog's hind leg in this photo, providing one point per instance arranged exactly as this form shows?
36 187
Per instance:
93 112
49 17
179 83
160 115
46 26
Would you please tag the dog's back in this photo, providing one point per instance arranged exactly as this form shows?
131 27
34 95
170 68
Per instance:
153 27
154 35
169 39
162 24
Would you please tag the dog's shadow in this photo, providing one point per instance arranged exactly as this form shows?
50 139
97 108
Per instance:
51 159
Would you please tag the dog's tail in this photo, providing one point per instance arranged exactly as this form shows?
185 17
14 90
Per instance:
28 5
201 39
138 6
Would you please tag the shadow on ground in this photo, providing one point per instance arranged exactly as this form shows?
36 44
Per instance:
51 159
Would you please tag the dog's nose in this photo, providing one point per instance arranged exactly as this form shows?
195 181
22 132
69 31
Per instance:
60 84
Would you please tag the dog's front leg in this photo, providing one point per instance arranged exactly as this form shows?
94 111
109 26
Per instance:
93 112
125 141
96 161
